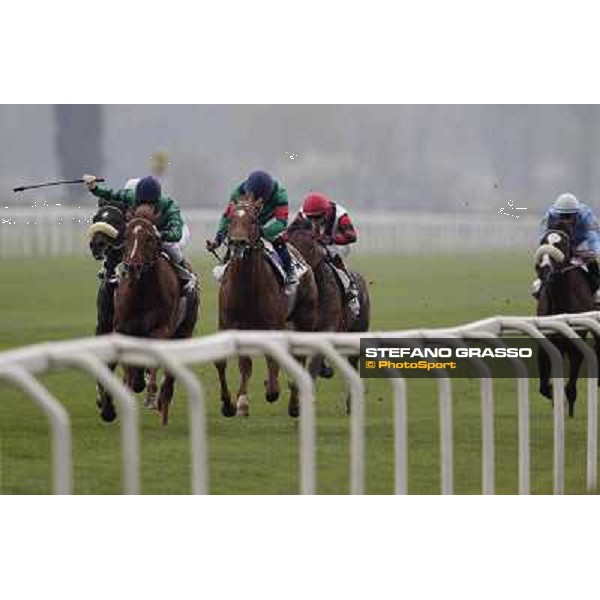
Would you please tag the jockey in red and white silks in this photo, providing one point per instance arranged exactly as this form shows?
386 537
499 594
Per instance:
337 233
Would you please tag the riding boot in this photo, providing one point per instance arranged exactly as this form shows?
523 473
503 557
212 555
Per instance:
187 275
352 289
286 260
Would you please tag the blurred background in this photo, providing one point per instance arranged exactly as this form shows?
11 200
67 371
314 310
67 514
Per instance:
449 167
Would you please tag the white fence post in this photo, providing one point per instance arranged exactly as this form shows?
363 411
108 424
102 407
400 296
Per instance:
20 367
59 424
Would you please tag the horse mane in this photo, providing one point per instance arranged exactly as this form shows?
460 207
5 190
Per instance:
300 225
145 211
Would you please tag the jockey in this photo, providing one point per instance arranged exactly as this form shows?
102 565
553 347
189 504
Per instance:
337 234
174 232
273 217
586 234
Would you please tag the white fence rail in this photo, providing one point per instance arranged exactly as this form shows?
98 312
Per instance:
20 368
60 231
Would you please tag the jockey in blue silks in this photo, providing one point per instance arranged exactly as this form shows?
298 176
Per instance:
586 234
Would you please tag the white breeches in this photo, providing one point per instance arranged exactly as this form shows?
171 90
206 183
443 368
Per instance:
175 249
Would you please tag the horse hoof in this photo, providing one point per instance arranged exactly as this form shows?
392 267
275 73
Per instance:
294 409
108 413
546 391
242 411
151 402
139 382
228 409
326 372
271 396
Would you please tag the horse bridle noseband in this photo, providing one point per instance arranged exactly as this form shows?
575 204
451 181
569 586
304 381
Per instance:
145 265
243 246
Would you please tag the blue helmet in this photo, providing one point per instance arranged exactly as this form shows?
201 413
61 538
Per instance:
147 190
260 184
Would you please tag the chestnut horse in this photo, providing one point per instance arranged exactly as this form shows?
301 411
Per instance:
252 296
564 289
333 312
147 302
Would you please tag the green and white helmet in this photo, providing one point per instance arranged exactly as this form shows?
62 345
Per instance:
566 204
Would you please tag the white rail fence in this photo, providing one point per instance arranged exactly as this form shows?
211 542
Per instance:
54 231
20 368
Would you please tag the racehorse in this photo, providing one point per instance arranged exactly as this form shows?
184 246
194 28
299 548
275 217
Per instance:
564 289
333 313
148 302
252 296
106 242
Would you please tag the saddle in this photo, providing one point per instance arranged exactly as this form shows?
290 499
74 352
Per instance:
298 263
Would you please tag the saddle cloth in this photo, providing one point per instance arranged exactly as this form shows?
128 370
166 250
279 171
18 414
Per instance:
298 263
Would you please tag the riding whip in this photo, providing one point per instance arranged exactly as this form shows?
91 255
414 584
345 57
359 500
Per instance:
22 188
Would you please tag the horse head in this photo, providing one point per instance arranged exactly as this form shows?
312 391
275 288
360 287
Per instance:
107 230
304 235
142 240
244 230
554 253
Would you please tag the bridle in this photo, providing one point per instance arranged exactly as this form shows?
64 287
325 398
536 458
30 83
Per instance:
137 226
239 248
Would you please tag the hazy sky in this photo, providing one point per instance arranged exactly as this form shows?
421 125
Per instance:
432 158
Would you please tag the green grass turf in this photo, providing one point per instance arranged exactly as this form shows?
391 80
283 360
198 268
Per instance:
54 299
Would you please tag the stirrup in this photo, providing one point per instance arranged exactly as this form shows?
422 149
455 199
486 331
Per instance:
191 282
291 278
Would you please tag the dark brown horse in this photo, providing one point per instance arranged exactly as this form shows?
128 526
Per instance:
333 312
564 289
147 302
252 296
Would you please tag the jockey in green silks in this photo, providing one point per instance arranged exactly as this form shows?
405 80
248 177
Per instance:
273 216
174 232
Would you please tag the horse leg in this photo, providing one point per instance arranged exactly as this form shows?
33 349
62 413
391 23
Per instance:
294 404
544 369
137 379
272 382
353 360
151 400
227 407
166 395
575 360
104 325
316 365
104 400
243 406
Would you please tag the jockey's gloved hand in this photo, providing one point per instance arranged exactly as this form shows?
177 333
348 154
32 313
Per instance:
214 244
90 181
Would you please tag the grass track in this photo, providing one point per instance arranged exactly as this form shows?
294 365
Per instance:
53 299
